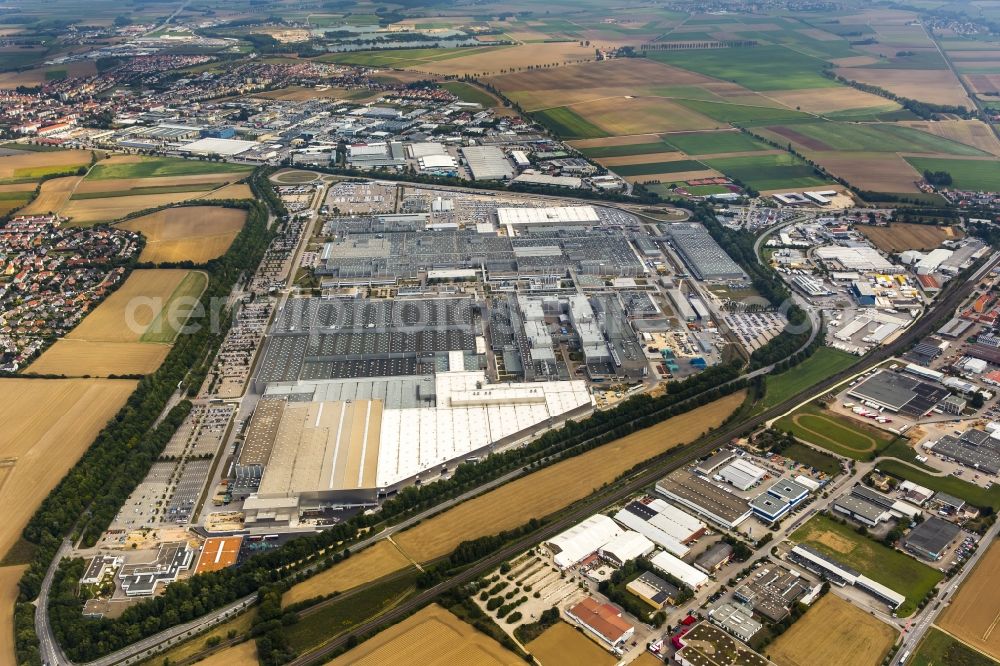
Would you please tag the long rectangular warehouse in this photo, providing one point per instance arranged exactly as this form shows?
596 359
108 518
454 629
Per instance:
704 498
706 259
679 569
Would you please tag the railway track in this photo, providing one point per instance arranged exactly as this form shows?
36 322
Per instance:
648 476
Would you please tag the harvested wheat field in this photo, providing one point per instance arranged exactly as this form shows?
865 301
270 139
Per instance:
431 637
125 315
559 86
974 612
107 209
876 172
553 488
122 185
45 426
646 158
235 191
8 595
828 100
31 166
526 55
641 115
833 633
973 133
53 195
937 86
189 233
242 654
675 176
899 236
370 564
37 76
78 358
562 645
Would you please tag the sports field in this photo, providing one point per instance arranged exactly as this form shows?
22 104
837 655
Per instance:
562 645
379 560
900 236
434 637
78 358
552 488
979 175
768 171
836 433
45 426
939 649
824 363
129 313
218 553
187 233
833 633
888 566
974 612
121 167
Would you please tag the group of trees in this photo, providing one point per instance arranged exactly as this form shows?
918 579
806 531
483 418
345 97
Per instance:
925 110
938 178
614 589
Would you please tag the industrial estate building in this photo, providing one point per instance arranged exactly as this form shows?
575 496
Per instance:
704 498
701 254
840 574
931 538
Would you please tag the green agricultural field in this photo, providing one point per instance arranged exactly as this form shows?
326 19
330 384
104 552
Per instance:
568 124
704 190
157 167
744 114
760 68
341 615
971 493
711 143
965 174
625 151
470 93
888 566
836 433
678 166
882 137
939 649
29 174
825 362
176 310
768 171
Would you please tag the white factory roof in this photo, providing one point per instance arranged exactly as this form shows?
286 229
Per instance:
437 162
219 146
627 546
470 414
683 572
856 258
581 540
660 537
933 260
556 215
426 149
545 179
487 163
741 473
